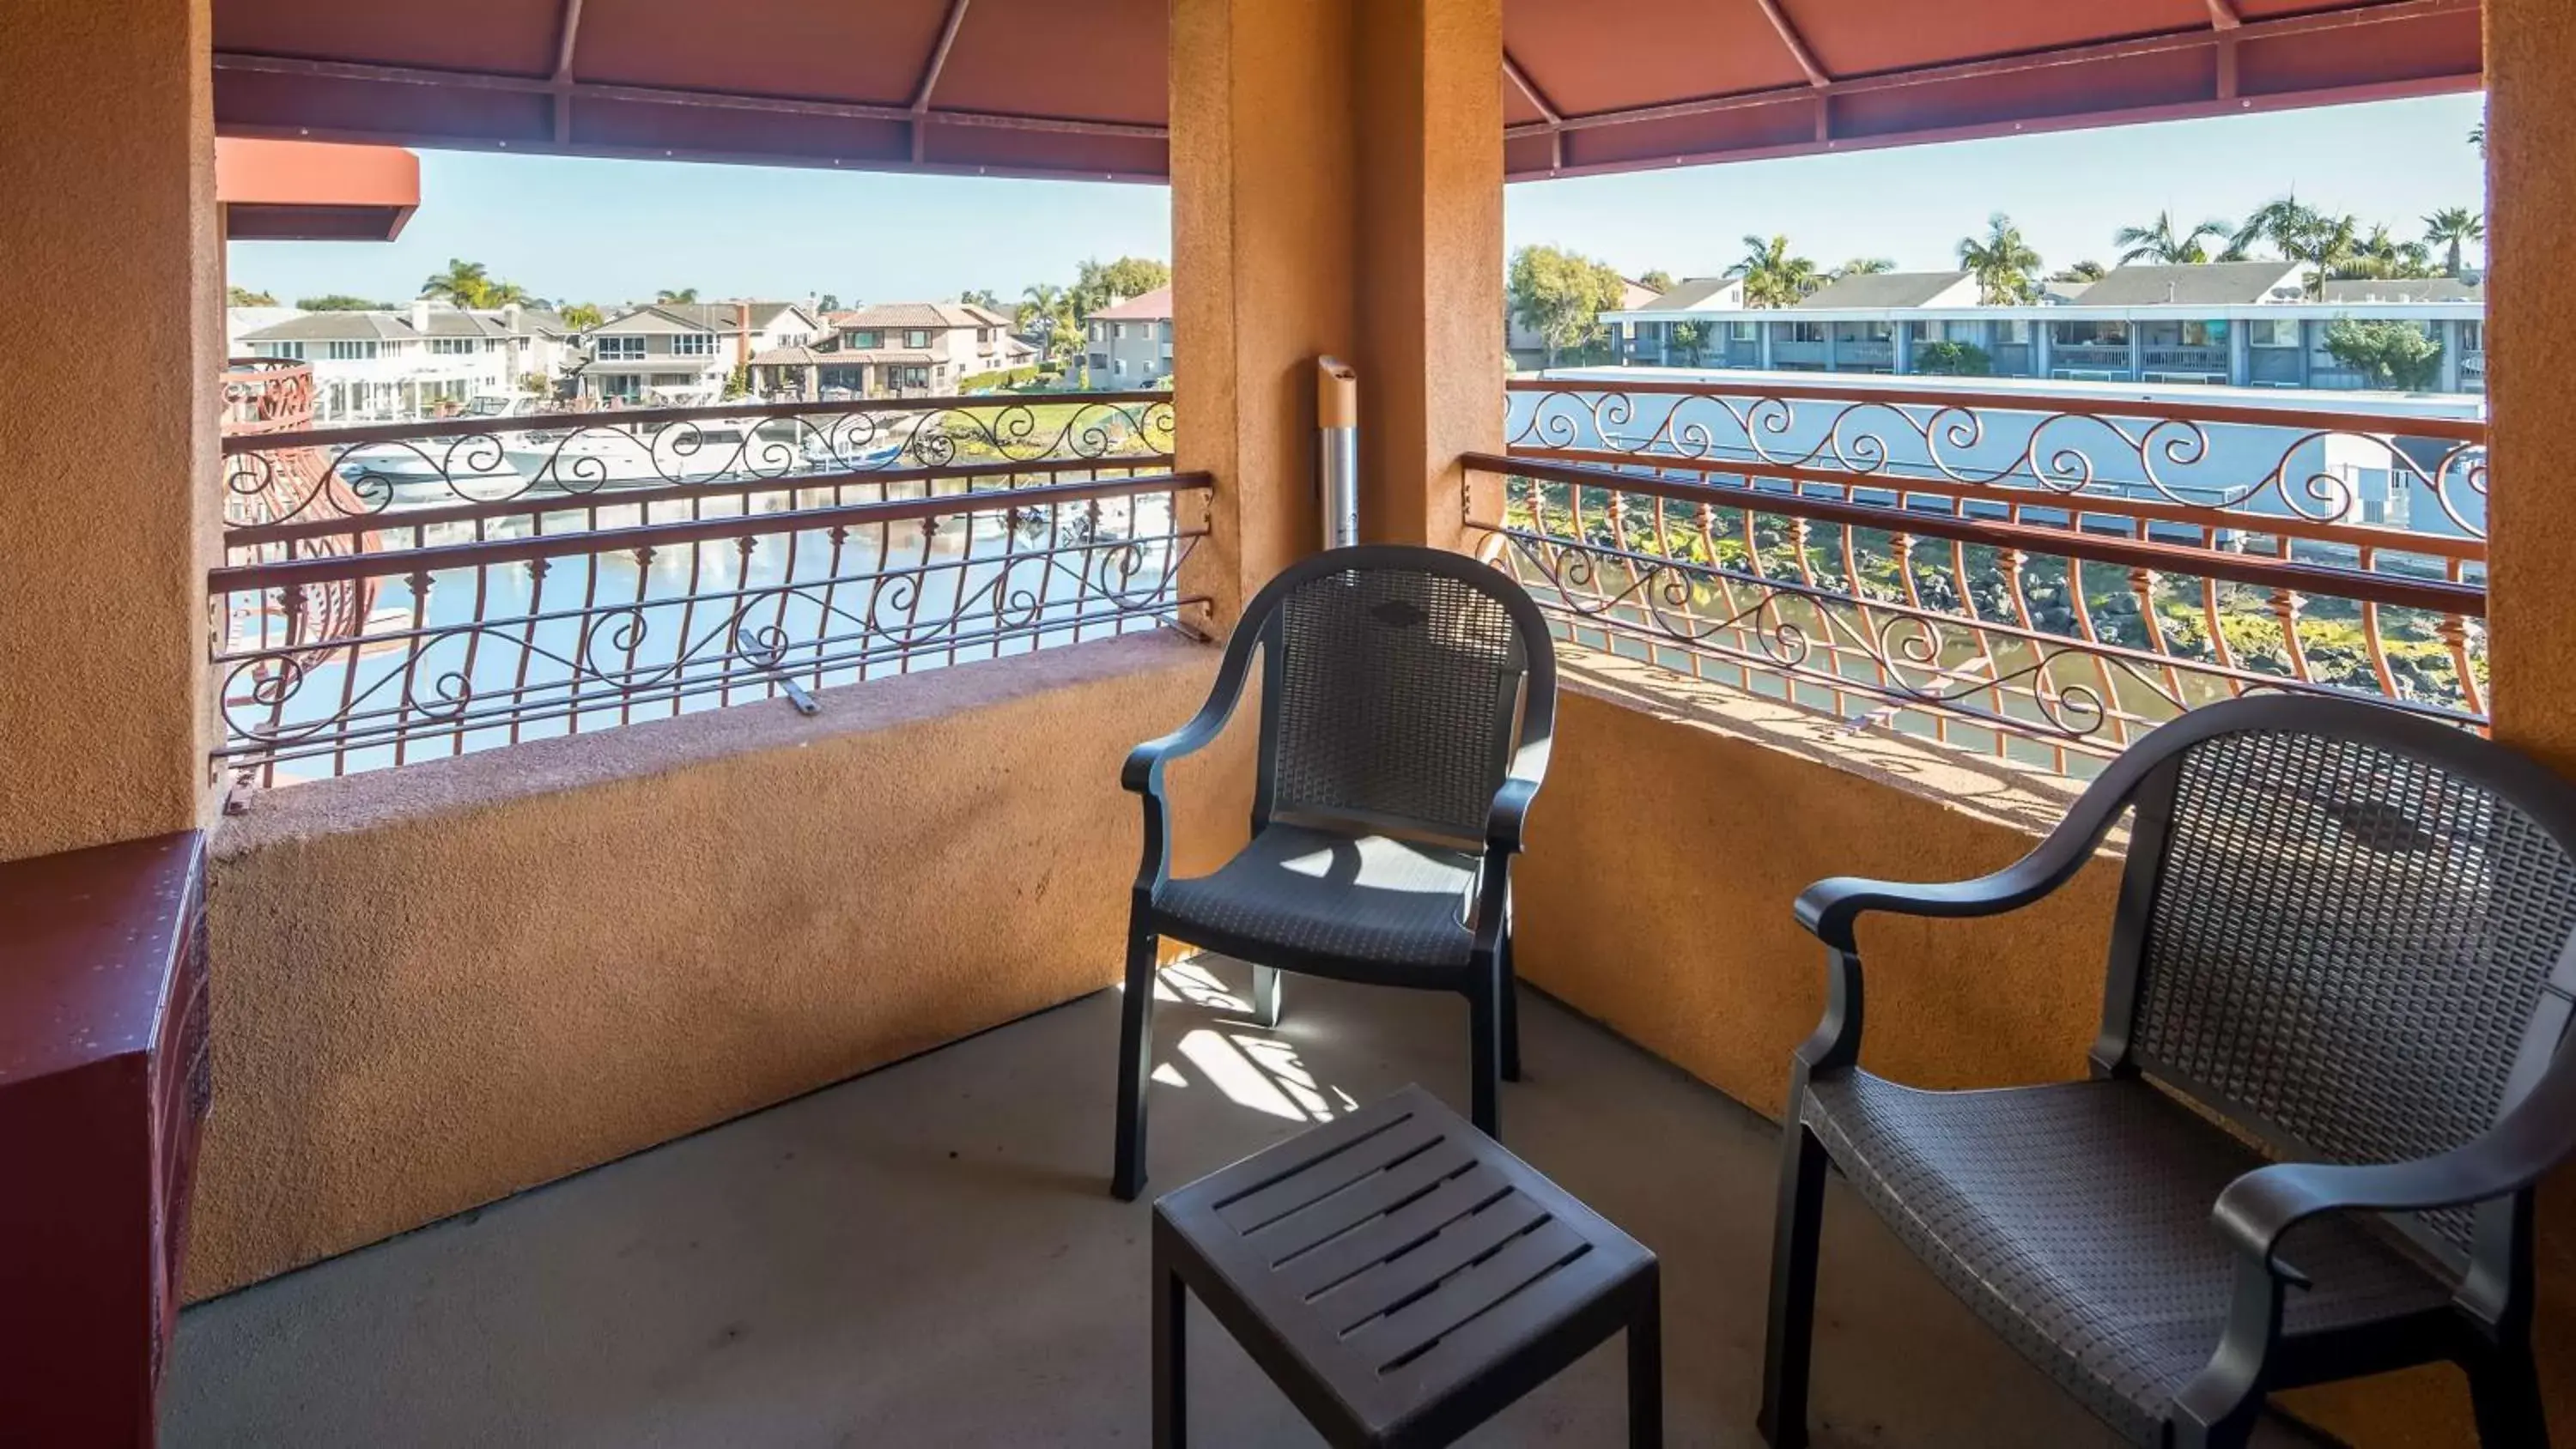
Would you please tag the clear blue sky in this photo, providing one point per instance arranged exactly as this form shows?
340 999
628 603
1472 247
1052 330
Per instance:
607 231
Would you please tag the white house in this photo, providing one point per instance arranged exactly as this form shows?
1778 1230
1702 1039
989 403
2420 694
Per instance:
399 365
678 352
1131 341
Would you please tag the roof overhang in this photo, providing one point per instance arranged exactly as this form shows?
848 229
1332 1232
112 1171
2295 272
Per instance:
1037 87
310 191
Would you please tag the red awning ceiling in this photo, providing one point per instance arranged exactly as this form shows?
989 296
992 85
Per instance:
1022 87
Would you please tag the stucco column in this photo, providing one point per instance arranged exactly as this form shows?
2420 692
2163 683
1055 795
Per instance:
2531 191
107 439
1430 229
1336 188
1265 200
2240 352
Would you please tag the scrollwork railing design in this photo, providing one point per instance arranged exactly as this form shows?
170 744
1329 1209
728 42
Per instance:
488 629
2297 466
2010 627
392 469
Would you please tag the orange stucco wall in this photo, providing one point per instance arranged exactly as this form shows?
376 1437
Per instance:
107 420
1431 260
439 985
1263 274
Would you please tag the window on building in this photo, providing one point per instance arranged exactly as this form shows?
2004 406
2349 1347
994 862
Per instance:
452 346
674 379
2013 333
2089 334
1118 367
866 338
693 344
2473 337
621 384
1167 329
352 351
290 350
917 337
1743 331
1099 360
984 334
916 377
1806 331
614 349
2272 332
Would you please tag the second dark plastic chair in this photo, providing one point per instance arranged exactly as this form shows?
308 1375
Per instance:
1408 697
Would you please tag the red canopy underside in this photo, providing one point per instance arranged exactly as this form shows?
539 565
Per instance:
1040 87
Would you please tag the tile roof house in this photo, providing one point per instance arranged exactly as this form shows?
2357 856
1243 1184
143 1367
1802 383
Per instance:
902 347
1130 342
679 352
407 362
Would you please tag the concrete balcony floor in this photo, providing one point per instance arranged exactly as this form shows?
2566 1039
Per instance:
928 1255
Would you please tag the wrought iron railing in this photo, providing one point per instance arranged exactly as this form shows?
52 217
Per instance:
2009 571
394 468
710 557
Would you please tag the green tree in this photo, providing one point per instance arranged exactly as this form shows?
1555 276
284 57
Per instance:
1659 281
1953 359
466 284
828 302
1097 284
2279 222
2162 244
245 297
2325 244
2453 227
2381 255
981 298
1690 341
737 383
1772 277
582 316
1046 312
341 302
2080 272
2005 265
1863 267
2387 354
1560 295
682 295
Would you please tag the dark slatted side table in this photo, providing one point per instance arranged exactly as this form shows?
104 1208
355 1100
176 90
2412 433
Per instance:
1402 1278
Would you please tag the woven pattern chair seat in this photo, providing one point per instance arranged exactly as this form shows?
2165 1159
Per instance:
2075 1220
1326 897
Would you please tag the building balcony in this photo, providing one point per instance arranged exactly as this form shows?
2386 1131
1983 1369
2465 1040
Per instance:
756 760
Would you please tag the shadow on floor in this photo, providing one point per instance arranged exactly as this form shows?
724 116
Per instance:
928 1256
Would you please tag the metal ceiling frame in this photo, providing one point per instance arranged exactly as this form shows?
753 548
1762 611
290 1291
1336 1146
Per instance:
2227 31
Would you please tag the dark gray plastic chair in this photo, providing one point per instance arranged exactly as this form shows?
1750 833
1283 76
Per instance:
1408 696
2346 940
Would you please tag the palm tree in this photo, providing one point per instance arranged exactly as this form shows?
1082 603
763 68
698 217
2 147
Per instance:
2162 244
1772 277
1042 300
2326 244
2452 226
681 294
2003 262
2276 221
467 284
582 316
2382 256
2478 137
2080 272
1863 267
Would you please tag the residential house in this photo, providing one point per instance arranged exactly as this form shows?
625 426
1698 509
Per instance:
675 352
418 361
2245 324
1528 349
895 348
1130 342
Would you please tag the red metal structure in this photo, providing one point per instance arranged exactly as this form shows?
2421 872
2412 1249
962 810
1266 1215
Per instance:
103 1080
1034 87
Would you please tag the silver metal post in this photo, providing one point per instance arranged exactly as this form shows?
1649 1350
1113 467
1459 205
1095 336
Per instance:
1337 416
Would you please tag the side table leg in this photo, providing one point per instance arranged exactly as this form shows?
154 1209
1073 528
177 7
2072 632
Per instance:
1171 1360
1646 1368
